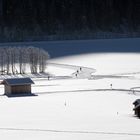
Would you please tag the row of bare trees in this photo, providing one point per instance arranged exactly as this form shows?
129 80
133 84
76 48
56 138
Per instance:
14 60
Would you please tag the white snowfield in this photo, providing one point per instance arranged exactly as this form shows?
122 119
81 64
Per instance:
94 104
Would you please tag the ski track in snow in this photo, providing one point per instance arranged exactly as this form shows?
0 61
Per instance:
70 131
87 72
137 92
83 73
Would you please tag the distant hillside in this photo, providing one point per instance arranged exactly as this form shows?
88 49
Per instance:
27 20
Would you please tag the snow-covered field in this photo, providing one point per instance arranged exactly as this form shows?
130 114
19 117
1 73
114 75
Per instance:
80 107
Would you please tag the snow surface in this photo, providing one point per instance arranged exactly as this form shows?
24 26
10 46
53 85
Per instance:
85 107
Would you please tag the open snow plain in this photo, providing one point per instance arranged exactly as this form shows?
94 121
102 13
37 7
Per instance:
78 107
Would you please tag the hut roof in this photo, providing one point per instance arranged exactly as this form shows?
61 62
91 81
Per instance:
136 102
17 81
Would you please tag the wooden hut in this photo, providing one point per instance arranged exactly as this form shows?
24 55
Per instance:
137 107
137 110
17 86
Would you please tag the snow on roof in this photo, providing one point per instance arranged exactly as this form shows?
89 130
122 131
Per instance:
18 81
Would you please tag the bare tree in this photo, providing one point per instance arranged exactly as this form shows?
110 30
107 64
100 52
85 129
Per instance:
35 59
2 60
13 59
21 59
11 56
43 56
8 56
31 59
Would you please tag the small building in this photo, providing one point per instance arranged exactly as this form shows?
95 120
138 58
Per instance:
17 86
137 107
137 110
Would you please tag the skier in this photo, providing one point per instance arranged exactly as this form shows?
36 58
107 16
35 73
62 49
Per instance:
111 86
77 71
48 77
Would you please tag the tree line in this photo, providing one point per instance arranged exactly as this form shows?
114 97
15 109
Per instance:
19 60
24 18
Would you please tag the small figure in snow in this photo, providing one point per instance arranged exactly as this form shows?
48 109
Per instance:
48 77
77 71
76 74
111 86
65 103
80 69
